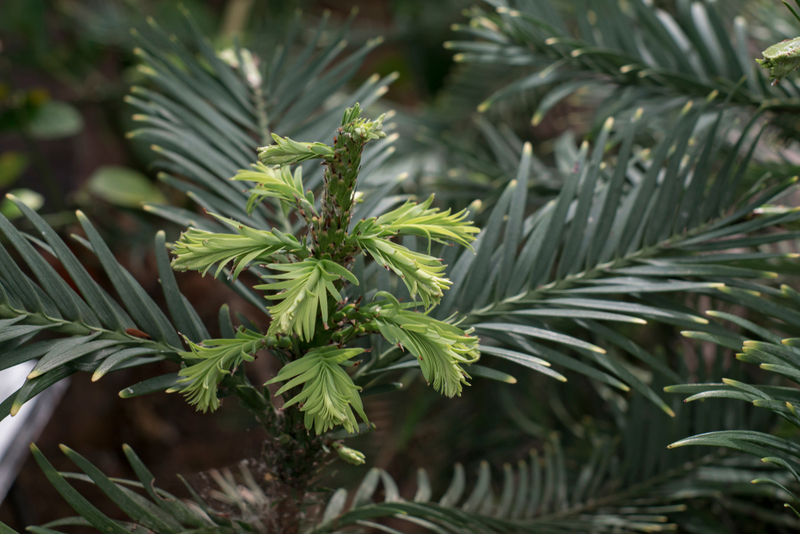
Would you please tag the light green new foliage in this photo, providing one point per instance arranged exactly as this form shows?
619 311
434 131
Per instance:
422 274
211 360
329 396
276 183
422 220
198 250
364 128
309 274
440 347
288 152
307 286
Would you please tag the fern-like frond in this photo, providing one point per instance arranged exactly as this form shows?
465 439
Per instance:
208 363
615 489
440 348
281 184
542 494
421 220
97 334
423 275
199 250
158 512
598 476
762 343
285 151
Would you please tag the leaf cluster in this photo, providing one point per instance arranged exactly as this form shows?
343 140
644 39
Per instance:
304 295
211 360
441 348
93 332
328 396
621 238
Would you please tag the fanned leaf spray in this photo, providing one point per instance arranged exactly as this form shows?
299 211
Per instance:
441 348
212 360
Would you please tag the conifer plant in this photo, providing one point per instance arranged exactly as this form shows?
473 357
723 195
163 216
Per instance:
657 256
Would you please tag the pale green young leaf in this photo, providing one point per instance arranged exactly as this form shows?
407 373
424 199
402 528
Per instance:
423 275
421 220
364 128
199 250
440 347
328 397
276 183
288 152
303 294
208 363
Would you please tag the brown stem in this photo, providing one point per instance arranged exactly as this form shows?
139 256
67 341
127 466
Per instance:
294 458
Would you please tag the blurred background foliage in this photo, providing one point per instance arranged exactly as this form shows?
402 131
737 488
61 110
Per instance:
65 66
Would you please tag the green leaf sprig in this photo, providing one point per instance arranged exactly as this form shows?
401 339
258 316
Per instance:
329 395
210 361
440 347
199 250
307 287
277 183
